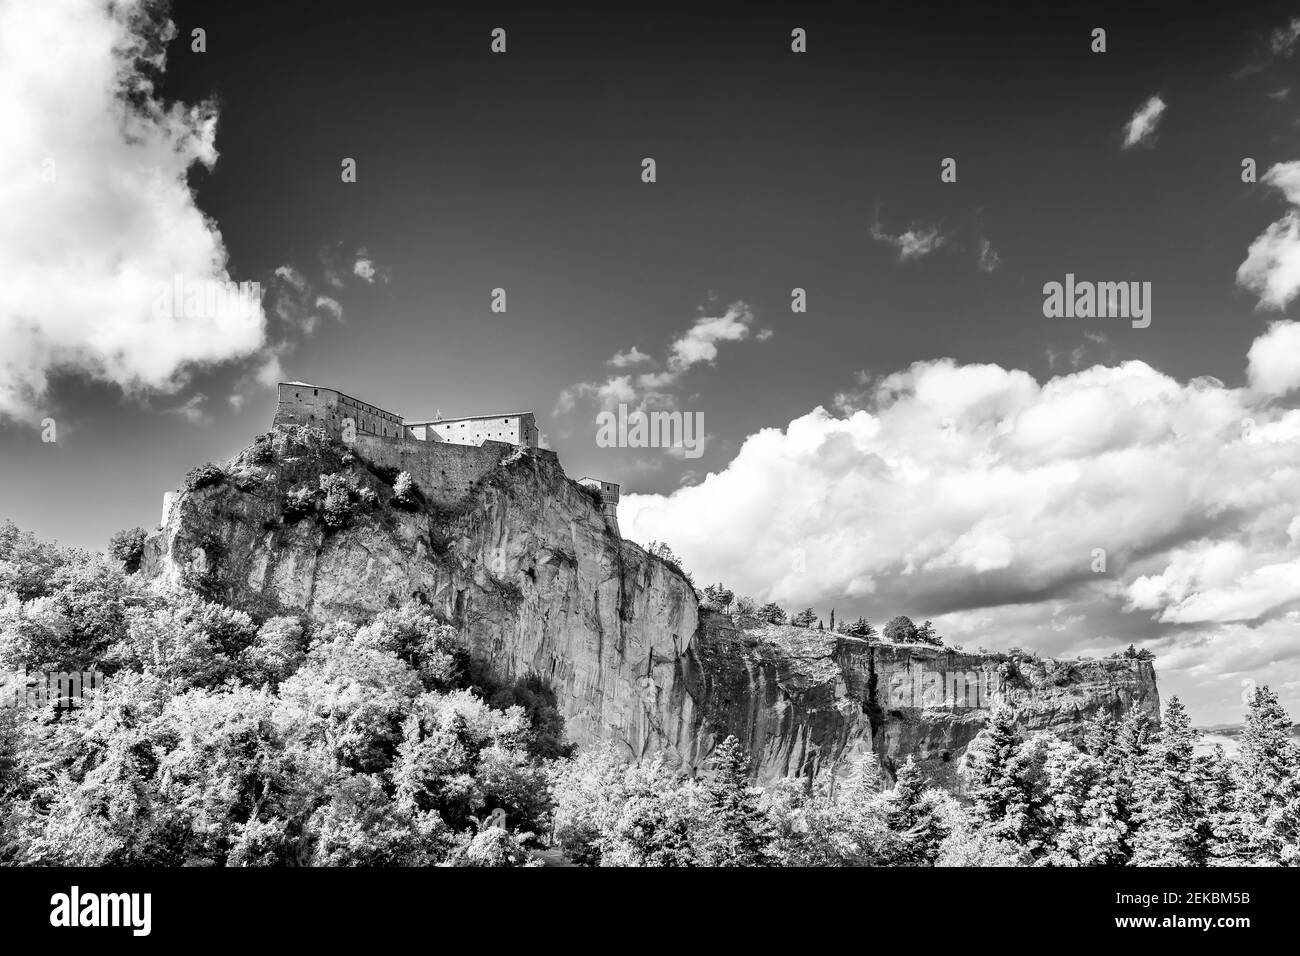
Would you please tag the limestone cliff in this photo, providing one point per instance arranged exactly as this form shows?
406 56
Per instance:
522 562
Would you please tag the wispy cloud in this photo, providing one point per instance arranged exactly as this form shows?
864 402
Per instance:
697 345
1141 129
367 270
915 243
1279 43
989 258
632 356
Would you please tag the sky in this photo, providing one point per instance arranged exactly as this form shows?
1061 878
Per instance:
914 434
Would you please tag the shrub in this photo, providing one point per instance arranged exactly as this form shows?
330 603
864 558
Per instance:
204 476
594 494
261 452
339 496
128 547
406 493
298 503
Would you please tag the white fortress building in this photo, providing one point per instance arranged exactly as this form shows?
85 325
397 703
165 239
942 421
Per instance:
515 428
302 403
413 444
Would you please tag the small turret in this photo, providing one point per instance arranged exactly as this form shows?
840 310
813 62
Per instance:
608 499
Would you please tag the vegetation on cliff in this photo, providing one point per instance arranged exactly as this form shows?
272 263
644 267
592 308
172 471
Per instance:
223 739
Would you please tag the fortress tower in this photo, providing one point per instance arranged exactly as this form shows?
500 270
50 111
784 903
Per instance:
608 498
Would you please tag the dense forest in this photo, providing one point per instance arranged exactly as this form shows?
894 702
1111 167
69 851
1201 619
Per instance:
218 739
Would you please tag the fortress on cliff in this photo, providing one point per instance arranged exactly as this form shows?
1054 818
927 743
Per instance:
445 456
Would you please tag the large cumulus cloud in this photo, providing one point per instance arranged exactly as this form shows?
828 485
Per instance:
1099 507
95 208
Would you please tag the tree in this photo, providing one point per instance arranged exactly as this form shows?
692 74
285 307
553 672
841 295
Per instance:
277 650
925 634
1082 826
1262 826
660 550
590 791
662 820
901 630
128 547
859 628
771 613
1169 806
805 618
719 597
991 758
913 818
743 830
1099 735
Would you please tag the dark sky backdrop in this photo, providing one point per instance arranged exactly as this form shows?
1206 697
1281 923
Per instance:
523 171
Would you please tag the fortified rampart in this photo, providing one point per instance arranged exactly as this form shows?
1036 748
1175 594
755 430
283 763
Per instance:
445 456
444 472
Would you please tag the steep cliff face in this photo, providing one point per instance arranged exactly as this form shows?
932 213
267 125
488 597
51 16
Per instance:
522 562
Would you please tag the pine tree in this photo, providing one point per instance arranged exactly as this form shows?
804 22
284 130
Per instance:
1099 735
1082 827
1262 827
744 826
991 758
1126 759
1169 807
804 618
912 818
1214 776
860 628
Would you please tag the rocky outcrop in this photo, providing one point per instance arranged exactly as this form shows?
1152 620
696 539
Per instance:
523 563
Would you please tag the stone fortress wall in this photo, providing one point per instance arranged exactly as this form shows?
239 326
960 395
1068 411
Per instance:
446 457
304 404
445 472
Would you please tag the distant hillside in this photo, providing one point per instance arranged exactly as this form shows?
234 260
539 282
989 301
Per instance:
1225 736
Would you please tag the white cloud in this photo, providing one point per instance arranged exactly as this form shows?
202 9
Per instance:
1282 41
193 409
698 345
95 212
916 243
989 258
326 304
973 493
632 356
367 270
1141 129
1272 266
1274 359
